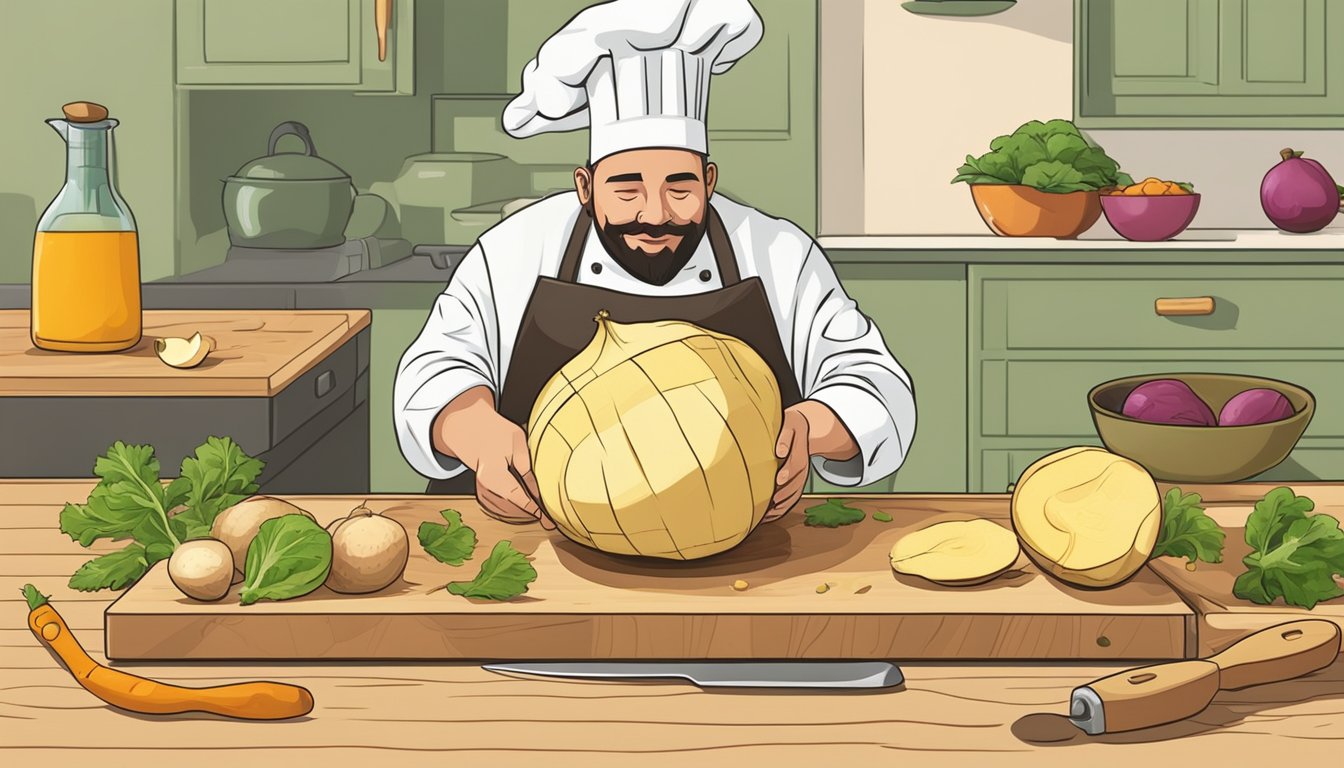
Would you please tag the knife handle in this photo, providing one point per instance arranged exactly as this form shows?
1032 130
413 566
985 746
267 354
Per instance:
1278 653
1161 693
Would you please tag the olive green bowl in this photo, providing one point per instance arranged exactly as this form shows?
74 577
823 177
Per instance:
1180 453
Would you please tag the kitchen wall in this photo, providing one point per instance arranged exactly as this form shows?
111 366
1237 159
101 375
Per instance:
58 51
933 89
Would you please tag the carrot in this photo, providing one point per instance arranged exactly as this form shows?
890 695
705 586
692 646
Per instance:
248 701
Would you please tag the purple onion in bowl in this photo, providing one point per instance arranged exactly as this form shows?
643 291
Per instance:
1149 218
1255 406
1168 401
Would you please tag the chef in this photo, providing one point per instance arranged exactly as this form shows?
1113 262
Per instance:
644 236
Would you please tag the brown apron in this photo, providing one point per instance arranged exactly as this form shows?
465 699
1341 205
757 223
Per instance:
559 322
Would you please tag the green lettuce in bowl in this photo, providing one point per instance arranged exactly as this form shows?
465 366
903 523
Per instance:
1052 157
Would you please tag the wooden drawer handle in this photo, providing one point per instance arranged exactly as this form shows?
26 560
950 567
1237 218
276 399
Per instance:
1194 305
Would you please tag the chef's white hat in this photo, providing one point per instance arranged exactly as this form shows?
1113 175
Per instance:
636 72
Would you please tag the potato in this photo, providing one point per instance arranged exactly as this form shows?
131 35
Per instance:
368 552
1087 516
238 525
959 553
202 569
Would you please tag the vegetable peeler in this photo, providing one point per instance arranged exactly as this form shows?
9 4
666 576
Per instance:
1164 693
726 674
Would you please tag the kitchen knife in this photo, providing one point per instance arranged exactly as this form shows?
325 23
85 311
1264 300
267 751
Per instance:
725 674
1164 693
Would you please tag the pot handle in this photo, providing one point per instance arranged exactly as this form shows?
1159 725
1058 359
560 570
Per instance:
297 129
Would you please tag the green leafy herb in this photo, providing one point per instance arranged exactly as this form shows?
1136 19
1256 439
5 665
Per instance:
290 557
882 517
1187 531
130 502
504 575
450 542
832 514
35 599
1053 157
1294 556
116 570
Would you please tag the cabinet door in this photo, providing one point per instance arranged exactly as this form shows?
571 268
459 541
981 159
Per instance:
921 311
296 43
1214 63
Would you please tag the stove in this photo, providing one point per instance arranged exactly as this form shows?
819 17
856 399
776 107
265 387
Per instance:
316 265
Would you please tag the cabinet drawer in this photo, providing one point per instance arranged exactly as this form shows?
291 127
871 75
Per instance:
1000 467
1113 307
1048 398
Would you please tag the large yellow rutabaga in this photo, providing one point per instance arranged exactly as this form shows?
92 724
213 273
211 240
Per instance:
657 439
1087 516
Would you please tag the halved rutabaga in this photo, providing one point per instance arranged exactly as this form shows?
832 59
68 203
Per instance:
657 439
957 553
1087 516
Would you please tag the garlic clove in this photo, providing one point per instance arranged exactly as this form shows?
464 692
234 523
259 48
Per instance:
182 353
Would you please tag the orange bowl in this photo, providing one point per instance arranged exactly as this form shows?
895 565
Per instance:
1013 210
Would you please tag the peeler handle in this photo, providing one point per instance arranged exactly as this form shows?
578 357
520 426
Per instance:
1279 653
1144 697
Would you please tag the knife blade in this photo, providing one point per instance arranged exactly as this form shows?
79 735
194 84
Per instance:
724 674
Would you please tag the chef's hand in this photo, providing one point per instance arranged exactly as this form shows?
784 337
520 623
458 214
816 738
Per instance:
810 428
496 450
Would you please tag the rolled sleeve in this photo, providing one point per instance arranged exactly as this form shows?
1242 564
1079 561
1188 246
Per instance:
452 354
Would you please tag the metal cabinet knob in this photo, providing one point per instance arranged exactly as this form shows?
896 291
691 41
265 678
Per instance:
326 381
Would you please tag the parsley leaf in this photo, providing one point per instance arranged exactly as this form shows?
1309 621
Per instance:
1187 531
116 570
882 517
1295 556
504 575
832 514
128 500
450 542
217 477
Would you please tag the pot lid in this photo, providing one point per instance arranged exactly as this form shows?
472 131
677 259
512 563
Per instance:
292 166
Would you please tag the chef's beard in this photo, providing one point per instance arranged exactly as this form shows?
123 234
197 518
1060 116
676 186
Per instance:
652 268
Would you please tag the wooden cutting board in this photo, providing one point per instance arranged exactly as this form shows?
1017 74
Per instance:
257 354
1223 617
588 605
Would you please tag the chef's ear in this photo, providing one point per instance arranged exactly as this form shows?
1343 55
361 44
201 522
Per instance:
711 178
583 183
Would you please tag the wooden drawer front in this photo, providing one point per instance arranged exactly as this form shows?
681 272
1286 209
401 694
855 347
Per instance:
1028 398
1309 462
1112 307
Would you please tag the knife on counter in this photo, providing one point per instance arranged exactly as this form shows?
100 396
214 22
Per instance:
1164 693
724 674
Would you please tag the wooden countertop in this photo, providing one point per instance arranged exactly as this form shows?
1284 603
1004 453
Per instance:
257 354
947 714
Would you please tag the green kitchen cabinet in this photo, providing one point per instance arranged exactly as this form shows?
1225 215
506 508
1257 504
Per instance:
311 44
1209 63
921 311
1042 336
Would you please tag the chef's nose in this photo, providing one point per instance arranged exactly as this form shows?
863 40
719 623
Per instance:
653 212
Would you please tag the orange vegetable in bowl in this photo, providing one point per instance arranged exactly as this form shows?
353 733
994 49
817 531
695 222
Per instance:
1154 187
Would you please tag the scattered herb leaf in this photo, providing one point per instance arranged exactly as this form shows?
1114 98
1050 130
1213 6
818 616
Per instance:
290 557
504 575
882 517
1294 556
1187 531
832 514
115 570
450 542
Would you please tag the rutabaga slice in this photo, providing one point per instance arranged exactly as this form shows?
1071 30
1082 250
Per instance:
958 553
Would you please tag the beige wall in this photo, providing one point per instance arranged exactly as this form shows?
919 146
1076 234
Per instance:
926 91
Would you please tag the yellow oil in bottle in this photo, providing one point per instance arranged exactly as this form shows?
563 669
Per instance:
86 291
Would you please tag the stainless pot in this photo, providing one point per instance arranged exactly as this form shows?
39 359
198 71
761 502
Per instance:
288 200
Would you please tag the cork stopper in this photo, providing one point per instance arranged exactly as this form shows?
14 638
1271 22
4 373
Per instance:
84 112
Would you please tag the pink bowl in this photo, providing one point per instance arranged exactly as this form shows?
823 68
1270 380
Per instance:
1148 218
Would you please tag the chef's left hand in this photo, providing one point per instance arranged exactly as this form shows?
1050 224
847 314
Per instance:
808 428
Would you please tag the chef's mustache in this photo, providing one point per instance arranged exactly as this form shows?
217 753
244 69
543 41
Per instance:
634 228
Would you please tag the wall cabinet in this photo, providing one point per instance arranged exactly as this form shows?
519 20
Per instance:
318 44
1192 63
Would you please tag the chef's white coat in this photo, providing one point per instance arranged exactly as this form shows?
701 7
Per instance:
837 354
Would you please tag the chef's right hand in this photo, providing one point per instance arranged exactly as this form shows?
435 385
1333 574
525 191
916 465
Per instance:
496 450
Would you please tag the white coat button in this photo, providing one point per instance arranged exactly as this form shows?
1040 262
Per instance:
597 268
705 275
